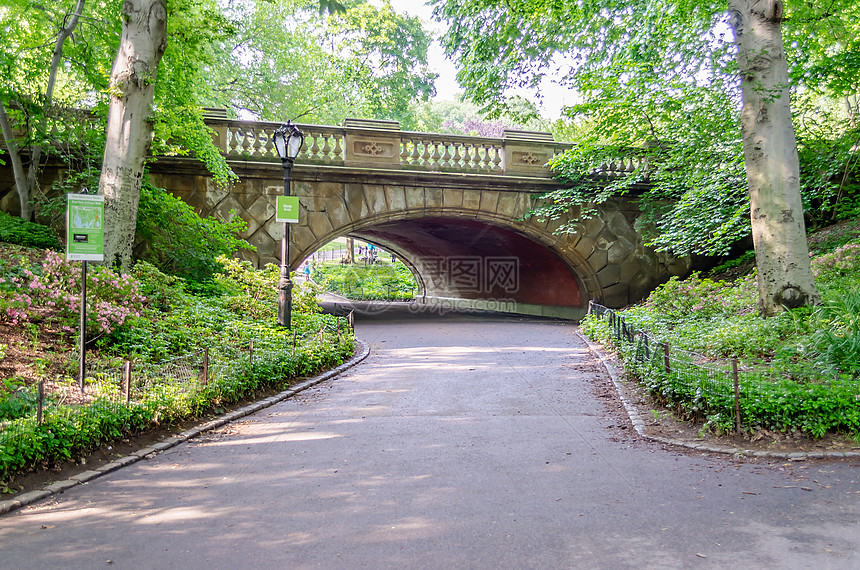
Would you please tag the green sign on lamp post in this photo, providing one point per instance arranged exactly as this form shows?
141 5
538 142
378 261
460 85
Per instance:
287 209
85 239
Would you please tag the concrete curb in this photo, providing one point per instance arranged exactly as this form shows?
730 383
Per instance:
639 424
362 351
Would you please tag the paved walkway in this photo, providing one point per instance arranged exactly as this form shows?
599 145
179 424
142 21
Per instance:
463 442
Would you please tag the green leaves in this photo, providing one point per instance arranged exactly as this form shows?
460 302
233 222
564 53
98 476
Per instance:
661 76
17 231
180 242
378 281
288 61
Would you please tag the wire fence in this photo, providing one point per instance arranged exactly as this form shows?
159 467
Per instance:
692 382
132 382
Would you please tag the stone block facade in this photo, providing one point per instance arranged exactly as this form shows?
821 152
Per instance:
606 254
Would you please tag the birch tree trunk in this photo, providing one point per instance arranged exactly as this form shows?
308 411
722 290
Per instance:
770 150
129 130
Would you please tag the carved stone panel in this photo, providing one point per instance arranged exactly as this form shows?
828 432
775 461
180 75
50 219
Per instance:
377 150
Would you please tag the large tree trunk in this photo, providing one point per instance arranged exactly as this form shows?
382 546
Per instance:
770 151
17 164
132 86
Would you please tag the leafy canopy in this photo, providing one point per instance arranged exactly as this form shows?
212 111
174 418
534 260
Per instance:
287 60
658 82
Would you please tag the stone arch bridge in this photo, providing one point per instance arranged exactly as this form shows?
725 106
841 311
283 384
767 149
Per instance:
451 207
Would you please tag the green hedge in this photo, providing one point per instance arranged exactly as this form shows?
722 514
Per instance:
17 231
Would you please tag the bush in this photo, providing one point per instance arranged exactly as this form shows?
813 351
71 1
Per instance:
699 298
378 282
173 238
56 284
843 261
247 290
17 231
837 341
161 291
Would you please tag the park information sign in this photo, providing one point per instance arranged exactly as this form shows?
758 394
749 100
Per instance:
85 228
287 209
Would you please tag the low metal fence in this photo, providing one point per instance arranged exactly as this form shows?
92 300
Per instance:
132 381
696 383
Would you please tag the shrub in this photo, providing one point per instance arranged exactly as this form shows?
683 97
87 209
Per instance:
699 298
247 290
56 284
17 231
161 291
836 343
305 297
843 261
172 237
16 399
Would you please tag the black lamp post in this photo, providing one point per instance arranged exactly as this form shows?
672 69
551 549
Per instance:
288 143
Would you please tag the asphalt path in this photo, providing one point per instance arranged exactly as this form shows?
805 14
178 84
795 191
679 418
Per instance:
460 442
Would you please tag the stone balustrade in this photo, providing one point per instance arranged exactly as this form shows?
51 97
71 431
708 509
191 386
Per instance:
375 144
381 144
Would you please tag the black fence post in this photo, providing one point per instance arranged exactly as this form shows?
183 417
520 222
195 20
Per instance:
40 401
666 358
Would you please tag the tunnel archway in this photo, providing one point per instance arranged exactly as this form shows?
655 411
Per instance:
474 259
431 215
471 259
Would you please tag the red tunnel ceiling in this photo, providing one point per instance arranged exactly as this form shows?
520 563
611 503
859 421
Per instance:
476 258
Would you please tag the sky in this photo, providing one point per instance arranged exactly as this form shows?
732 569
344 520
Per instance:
554 97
